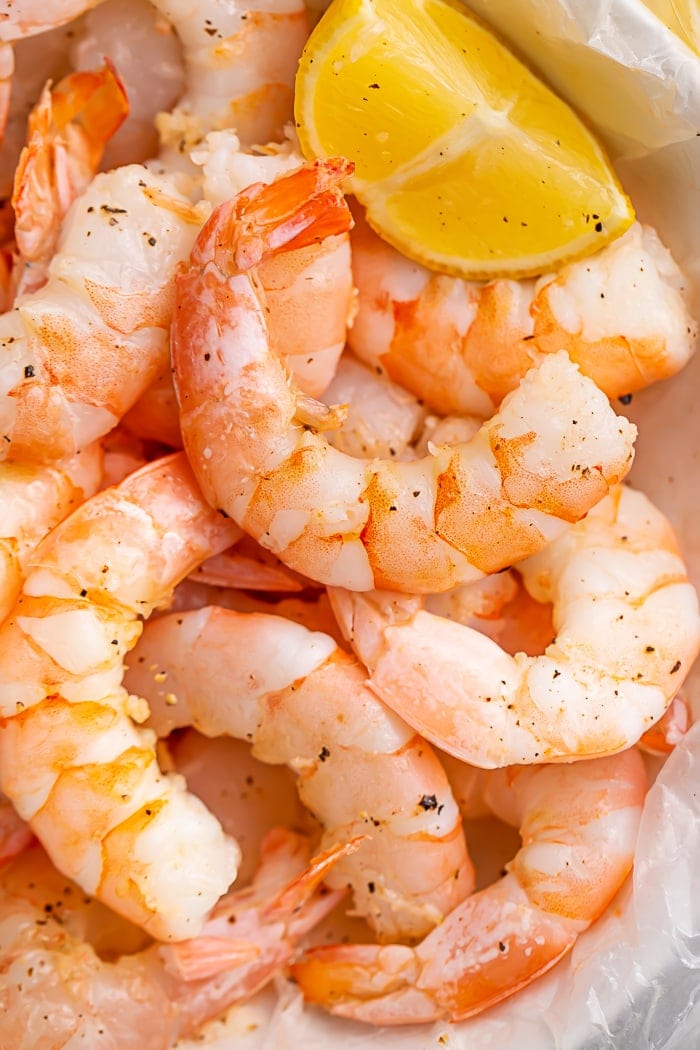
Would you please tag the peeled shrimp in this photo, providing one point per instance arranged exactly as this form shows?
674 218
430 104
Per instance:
551 452
55 991
241 58
622 316
302 701
578 826
26 17
33 500
67 133
77 353
71 758
627 632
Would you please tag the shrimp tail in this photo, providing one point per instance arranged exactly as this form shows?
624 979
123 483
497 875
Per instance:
67 134
297 894
381 984
266 219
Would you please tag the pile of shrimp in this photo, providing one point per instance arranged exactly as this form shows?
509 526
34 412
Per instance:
379 521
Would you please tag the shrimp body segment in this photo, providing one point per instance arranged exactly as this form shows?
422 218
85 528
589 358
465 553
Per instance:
241 59
302 701
33 500
154 996
72 759
578 826
622 315
26 17
550 453
627 631
77 353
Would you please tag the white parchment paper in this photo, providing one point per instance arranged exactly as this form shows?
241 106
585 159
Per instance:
633 981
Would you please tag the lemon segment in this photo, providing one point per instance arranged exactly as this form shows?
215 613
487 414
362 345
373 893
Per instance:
464 159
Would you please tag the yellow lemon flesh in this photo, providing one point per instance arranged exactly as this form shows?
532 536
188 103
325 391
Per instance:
682 17
464 160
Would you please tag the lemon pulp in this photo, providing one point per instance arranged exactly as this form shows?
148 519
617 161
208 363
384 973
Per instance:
463 159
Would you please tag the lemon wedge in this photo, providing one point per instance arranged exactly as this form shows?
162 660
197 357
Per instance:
464 160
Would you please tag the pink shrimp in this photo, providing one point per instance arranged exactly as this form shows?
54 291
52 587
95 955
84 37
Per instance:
71 758
68 130
622 315
627 632
301 701
33 500
549 454
152 997
578 826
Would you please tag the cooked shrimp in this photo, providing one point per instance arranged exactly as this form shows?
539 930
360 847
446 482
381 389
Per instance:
578 825
669 730
80 351
67 133
241 58
34 499
71 759
551 452
628 630
127 31
302 701
622 315
383 420
26 17
309 291
55 991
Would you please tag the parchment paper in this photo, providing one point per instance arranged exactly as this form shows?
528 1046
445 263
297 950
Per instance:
633 981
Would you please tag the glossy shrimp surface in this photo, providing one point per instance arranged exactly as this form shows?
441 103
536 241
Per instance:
622 315
56 990
549 454
627 632
73 759
300 700
78 352
578 826
33 500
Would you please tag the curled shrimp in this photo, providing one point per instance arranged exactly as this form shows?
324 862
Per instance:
33 500
549 454
71 758
68 130
627 632
302 701
622 315
578 825
153 996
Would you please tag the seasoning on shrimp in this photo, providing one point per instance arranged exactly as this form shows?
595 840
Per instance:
622 315
72 759
578 825
627 632
300 700
152 996
551 452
